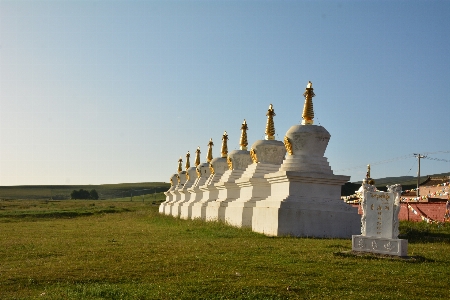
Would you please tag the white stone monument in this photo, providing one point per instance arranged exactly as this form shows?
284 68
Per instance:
238 161
203 173
305 194
169 193
191 175
379 223
218 166
181 180
267 156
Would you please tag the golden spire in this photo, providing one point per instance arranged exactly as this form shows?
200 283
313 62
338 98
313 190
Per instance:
224 144
197 156
179 165
308 110
243 141
209 156
368 171
270 127
188 164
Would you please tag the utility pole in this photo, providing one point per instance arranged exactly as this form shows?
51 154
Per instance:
418 172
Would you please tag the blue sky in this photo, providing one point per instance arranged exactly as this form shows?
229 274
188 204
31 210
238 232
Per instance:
96 92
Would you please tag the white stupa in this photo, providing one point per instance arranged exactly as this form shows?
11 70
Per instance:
305 194
170 196
203 172
191 175
238 161
267 156
217 166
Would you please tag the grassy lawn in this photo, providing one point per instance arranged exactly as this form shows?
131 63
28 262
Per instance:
118 249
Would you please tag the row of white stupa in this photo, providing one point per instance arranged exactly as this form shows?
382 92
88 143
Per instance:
273 193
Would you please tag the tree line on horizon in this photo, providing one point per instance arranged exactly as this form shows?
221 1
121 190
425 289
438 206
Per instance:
84 194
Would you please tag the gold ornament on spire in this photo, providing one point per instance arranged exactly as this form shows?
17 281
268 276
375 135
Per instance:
288 145
243 141
270 127
188 164
224 144
209 156
308 110
180 169
197 156
368 179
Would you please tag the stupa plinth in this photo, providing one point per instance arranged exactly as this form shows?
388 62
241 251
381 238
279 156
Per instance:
305 194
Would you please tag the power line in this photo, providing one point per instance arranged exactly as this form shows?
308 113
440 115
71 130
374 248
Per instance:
396 159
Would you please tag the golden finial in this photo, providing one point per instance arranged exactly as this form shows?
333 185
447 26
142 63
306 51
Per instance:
197 156
308 110
179 165
243 141
270 127
209 156
188 164
368 179
224 144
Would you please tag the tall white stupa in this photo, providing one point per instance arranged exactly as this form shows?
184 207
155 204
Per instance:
238 161
305 194
191 175
217 166
267 156
203 172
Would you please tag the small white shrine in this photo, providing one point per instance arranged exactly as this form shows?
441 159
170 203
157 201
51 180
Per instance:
379 222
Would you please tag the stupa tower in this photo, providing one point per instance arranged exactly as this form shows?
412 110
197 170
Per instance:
237 161
267 156
305 194
184 195
164 208
217 167
203 172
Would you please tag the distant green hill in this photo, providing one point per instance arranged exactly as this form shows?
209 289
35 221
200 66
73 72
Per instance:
62 192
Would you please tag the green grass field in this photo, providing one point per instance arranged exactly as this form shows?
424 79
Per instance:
118 249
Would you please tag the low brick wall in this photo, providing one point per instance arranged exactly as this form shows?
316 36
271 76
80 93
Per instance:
432 210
